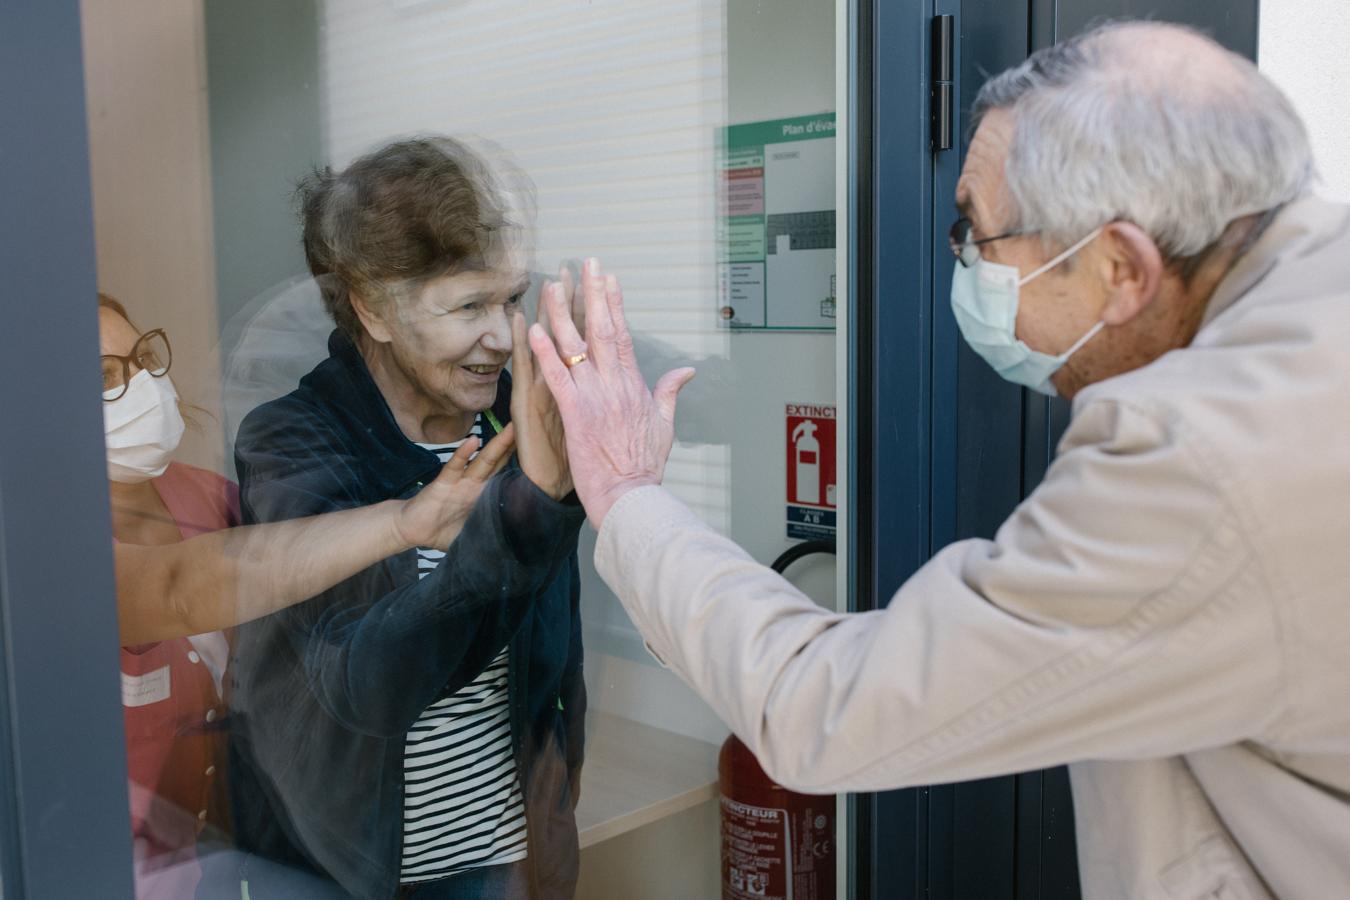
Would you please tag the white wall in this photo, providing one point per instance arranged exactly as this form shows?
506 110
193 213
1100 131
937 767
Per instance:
145 85
1303 50
780 64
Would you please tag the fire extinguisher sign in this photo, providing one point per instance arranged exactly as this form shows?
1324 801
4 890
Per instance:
811 489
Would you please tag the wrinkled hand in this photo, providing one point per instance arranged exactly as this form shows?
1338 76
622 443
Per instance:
576 305
619 434
542 447
435 516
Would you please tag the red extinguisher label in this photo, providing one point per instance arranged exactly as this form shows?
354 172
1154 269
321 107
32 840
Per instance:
756 852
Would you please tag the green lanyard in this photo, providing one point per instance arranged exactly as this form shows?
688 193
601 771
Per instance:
492 420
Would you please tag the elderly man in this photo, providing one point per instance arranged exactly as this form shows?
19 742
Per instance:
1168 611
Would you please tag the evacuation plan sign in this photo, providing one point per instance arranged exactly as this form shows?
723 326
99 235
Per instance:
776 227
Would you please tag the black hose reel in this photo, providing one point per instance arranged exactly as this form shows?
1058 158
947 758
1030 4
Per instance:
797 551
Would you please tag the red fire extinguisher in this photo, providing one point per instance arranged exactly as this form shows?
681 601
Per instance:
777 844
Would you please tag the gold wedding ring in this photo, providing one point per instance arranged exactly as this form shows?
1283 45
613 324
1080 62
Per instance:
575 360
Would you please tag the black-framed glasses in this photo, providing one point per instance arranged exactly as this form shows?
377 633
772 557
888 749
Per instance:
965 248
151 352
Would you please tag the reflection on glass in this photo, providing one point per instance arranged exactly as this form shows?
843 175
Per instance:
433 705
422 720
172 690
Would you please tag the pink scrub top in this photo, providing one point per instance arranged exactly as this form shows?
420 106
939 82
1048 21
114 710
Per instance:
174 704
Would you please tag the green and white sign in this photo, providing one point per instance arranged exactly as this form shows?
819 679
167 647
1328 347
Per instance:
776 225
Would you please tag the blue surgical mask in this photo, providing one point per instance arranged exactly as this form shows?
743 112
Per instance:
985 297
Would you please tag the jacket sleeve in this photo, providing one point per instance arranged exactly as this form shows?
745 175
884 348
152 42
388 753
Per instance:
377 649
1120 613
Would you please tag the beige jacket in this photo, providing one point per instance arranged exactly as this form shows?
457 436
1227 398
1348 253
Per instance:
1169 612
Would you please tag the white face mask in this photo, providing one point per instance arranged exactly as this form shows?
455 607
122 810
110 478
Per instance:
142 428
985 298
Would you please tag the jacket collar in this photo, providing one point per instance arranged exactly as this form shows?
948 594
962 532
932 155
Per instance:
345 383
1300 227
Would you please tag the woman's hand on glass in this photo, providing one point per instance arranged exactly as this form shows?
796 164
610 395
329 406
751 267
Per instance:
435 516
541 445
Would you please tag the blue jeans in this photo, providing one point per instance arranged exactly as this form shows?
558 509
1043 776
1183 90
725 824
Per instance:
230 874
505 882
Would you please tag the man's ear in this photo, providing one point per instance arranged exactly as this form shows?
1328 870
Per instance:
374 325
1133 269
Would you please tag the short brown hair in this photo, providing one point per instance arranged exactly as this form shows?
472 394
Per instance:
407 213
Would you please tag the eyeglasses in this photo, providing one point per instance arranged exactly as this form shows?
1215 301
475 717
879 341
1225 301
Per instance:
151 352
967 250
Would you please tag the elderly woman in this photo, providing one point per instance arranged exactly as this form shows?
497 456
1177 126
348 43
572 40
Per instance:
416 730
184 573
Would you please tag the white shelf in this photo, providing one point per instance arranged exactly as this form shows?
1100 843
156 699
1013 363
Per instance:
636 774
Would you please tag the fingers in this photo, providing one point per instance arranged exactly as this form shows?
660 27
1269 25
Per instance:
568 283
455 466
599 327
463 463
540 310
575 303
522 363
459 460
564 331
623 341
557 377
571 298
667 389
494 455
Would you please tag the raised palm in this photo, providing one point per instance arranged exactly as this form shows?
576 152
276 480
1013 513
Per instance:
541 441
436 515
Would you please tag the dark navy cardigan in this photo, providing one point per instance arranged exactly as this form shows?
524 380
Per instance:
323 693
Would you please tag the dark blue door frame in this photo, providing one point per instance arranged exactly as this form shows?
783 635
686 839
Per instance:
64 827
890 171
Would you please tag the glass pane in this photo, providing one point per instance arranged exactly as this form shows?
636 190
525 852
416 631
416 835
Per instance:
333 208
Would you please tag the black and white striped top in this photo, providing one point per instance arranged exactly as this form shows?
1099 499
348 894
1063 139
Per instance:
462 806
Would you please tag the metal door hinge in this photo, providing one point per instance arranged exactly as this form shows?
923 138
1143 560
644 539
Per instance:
943 99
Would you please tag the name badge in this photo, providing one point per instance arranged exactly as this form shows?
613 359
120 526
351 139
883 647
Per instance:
142 690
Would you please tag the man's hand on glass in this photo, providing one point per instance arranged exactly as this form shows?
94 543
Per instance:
619 433
435 516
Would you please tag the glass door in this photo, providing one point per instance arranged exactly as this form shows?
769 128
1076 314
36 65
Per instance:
694 149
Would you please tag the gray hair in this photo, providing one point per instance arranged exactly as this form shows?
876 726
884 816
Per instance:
411 211
1151 123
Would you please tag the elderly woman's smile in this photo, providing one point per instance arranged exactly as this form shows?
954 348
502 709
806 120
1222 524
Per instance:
487 373
437 349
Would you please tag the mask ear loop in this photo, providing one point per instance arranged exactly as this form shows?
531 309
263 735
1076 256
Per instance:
1092 332
1063 256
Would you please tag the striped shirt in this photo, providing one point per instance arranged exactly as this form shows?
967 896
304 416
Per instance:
462 805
